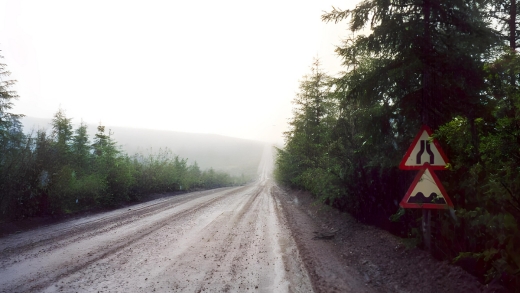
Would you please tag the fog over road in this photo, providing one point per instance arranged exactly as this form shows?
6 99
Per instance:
229 239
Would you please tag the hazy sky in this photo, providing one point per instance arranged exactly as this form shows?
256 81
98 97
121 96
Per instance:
228 67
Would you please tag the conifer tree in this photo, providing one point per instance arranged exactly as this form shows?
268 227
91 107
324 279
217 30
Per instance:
426 55
9 122
14 147
81 147
304 162
62 136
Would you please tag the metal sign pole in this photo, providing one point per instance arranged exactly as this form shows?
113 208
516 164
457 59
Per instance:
426 227
426 191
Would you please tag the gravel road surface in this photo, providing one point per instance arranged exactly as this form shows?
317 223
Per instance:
222 240
254 238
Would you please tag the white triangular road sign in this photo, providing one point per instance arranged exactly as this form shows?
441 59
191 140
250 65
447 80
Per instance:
423 150
426 192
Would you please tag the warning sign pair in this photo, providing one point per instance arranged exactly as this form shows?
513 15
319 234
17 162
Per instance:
426 155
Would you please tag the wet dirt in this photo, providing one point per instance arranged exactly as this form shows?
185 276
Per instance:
357 253
223 240
254 238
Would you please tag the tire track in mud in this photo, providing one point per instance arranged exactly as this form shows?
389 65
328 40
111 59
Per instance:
226 249
218 234
112 221
250 256
40 281
81 229
183 265
232 240
77 232
241 223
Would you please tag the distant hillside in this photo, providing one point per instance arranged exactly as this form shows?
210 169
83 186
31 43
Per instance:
233 155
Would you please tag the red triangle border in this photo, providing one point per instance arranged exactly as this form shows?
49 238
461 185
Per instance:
402 165
404 202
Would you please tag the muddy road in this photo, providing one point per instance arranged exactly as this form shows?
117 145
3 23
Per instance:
223 240
254 238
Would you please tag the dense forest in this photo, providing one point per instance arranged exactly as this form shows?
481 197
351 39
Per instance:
452 65
63 170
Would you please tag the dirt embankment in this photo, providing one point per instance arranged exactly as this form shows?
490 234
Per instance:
335 246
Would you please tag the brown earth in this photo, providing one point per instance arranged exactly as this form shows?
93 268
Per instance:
223 240
255 238
335 246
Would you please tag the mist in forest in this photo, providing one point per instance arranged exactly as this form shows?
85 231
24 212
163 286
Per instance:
235 156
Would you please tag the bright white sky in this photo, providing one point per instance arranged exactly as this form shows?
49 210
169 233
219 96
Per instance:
229 67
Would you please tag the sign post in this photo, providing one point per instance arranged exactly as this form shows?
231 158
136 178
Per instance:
426 191
427 228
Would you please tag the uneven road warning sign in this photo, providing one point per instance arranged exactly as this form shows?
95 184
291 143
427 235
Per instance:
426 192
423 150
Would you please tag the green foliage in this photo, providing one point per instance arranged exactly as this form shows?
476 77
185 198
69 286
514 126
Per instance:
13 147
161 171
485 180
305 160
439 63
87 191
62 131
7 97
63 172
81 149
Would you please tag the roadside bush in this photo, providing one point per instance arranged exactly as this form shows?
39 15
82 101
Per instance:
87 191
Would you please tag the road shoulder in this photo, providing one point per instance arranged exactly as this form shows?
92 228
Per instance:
342 255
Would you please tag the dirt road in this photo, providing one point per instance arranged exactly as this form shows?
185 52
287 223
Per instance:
255 238
224 240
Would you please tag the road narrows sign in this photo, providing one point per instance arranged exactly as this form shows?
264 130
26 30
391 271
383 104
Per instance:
422 151
426 192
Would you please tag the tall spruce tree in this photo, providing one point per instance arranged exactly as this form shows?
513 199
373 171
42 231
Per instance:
14 147
9 122
304 162
432 62
426 55
62 136
81 148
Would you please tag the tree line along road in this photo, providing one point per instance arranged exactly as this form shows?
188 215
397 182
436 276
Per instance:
225 240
